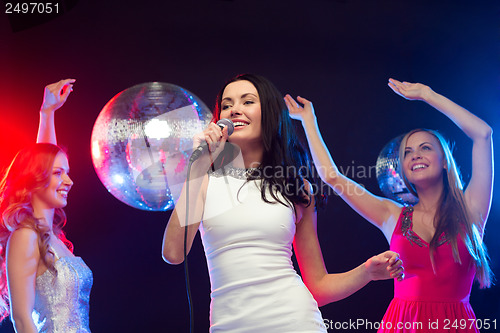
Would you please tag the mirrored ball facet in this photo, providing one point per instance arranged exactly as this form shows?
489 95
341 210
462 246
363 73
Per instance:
142 140
389 177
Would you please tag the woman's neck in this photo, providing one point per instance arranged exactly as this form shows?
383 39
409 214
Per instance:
429 197
252 156
46 215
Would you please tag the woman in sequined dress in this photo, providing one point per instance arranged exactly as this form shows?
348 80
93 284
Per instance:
44 287
439 238
251 213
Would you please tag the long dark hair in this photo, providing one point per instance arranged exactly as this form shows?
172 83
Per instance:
453 217
284 154
29 172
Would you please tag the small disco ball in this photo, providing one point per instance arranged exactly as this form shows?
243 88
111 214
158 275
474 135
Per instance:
142 140
389 178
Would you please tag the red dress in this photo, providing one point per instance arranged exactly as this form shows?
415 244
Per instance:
426 301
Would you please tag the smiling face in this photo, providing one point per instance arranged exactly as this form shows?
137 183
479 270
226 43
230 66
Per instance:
55 194
423 159
240 102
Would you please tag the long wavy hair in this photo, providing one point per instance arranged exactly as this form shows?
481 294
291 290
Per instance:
284 154
29 172
453 217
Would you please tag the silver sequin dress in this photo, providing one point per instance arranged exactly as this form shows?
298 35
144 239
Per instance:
62 302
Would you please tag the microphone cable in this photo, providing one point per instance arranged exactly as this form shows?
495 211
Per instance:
186 270
195 155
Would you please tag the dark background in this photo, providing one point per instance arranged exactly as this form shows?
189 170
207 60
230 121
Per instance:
339 54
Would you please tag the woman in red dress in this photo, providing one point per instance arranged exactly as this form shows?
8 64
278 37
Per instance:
440 239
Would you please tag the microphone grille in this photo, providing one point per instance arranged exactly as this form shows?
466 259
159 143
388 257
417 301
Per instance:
224 122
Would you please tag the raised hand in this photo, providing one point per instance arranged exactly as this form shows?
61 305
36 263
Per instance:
296 111
410 91
385 266
56 94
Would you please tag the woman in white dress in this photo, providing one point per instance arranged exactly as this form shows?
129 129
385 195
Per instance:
254 204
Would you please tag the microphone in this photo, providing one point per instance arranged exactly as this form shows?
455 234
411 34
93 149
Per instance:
223 123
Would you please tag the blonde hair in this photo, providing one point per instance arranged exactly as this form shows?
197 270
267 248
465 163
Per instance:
452 216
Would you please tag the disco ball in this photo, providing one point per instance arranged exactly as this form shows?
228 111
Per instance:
142 140
389 178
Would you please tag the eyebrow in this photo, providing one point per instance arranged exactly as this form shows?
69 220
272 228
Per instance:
420 145
242 96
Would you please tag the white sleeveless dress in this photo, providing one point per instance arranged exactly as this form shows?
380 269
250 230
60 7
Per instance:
248 246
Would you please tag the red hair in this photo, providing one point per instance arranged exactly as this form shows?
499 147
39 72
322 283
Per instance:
29 172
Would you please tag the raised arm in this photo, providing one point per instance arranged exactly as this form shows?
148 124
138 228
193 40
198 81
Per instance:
327 288
22 264
380 211
479 190
55 95
173 238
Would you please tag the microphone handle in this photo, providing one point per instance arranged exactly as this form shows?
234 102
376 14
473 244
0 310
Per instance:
197 153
